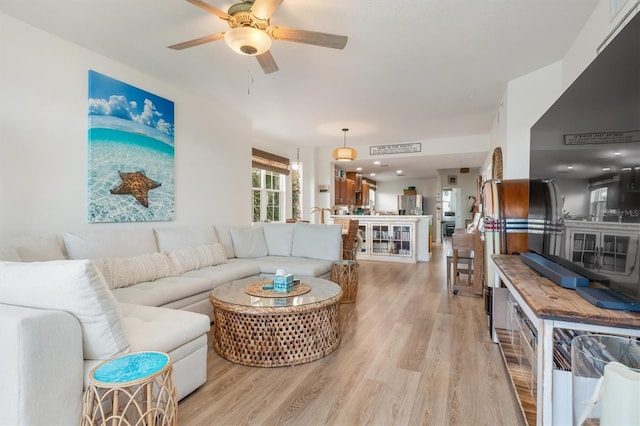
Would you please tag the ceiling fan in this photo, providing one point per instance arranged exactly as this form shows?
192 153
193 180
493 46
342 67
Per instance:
251 32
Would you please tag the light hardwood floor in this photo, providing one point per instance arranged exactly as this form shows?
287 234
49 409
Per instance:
410 354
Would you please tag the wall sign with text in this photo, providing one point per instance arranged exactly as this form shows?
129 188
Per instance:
396 148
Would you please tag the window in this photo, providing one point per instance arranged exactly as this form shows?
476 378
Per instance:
267 195
268 177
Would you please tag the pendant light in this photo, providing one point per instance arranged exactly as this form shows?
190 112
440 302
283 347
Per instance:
344 153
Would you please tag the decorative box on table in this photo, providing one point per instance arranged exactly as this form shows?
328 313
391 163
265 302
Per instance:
283 283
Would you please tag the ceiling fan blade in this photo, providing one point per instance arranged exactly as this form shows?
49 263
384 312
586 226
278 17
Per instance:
263 9
308 37
267 62
196 42
206 6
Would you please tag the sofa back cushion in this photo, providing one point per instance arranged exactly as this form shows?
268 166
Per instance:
112 243
279 238
223 232
184 236
249 243
73 286
9 254
317 241
35 249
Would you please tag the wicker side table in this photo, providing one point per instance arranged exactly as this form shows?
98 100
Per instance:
345 274
131 389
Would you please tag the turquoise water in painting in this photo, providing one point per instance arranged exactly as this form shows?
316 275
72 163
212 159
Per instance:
114 150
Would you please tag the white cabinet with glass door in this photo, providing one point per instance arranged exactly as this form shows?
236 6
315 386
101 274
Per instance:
604 246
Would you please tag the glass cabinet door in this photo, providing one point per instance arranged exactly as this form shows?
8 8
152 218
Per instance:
400 243
583 249
379 239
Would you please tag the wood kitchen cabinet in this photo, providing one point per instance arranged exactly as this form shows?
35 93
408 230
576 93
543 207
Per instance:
365 194
344 191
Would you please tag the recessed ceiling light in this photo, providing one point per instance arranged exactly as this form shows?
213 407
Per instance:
398 171
570 167
376 162
359 169
616 153
606 169
372 174
626 169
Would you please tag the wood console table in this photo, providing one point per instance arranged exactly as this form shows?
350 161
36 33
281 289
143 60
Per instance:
546 306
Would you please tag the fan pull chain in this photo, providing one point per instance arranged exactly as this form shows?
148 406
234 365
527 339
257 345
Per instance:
249 76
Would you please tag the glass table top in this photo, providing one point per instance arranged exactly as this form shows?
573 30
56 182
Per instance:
233 293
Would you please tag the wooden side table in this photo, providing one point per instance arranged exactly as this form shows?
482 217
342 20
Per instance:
131 389
345 274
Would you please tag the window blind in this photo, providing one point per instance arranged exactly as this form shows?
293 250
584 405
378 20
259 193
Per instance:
271 162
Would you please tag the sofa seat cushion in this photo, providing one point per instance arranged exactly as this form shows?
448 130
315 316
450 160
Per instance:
162 291
160 329
300 266
233 270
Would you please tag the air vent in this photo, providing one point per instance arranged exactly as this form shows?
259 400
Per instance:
384 165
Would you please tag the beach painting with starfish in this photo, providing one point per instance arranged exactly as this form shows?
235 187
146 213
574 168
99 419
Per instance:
131 153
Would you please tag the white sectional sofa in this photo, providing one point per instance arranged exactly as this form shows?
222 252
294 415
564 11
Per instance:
68 302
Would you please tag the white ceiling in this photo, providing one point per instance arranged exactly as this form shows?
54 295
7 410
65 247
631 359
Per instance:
412 70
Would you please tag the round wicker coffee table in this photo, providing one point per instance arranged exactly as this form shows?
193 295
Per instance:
276 331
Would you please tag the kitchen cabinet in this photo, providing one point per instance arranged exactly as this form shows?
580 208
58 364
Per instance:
344 191
365 194
604 246
530 316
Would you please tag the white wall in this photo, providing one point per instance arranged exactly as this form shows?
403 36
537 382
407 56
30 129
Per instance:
43 140
528 97
387 194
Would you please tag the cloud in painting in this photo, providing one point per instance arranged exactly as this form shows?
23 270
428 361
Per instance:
119 106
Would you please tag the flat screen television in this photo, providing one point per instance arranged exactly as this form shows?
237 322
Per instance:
587 148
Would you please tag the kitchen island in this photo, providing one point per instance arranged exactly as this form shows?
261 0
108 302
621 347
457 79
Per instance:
394 238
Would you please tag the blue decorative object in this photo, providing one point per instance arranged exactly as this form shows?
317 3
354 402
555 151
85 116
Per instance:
283 283
131 367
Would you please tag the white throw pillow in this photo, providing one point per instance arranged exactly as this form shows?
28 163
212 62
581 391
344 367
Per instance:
73 286
184 260
219 254
317 241
279 238
125 271
249 243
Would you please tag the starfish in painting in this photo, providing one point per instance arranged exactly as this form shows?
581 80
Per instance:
136 184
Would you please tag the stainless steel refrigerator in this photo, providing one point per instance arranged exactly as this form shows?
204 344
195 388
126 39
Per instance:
407 204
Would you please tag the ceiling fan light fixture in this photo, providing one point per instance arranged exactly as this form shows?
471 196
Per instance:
248 40
345 153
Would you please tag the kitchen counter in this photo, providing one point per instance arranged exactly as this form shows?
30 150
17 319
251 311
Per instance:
386 238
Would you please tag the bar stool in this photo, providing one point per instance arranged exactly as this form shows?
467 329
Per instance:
131 389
